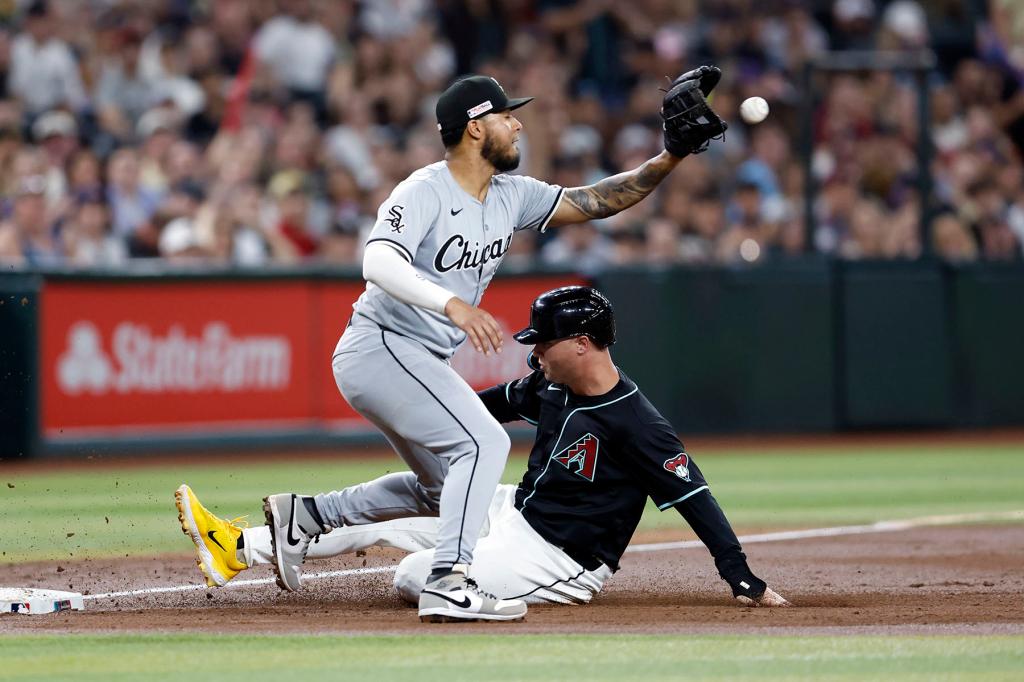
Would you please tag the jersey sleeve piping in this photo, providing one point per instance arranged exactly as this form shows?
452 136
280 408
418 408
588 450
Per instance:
543 225
667 505
395 245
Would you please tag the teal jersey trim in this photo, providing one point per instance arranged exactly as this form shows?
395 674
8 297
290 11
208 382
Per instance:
509 400
554 449
663 507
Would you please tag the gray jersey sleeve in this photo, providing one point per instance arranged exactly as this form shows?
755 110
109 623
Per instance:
406 217
537 202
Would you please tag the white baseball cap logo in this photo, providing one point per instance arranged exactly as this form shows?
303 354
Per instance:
479 109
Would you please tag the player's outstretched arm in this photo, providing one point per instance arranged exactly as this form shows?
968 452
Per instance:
688 123
613 194
709 523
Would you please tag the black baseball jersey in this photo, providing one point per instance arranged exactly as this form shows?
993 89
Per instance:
595 461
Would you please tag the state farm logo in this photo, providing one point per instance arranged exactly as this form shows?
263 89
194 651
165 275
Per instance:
144 362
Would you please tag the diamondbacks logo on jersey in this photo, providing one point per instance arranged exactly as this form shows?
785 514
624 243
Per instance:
396 218
580 457
679 465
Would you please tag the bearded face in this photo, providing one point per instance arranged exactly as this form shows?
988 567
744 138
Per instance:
502 155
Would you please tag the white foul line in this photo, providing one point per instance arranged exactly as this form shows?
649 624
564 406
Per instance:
243 583
878 527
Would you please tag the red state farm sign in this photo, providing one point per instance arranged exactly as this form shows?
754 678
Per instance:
173 354
153 357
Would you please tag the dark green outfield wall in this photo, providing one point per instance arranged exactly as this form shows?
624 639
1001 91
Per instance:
730 350
986 336
803 346
19 297
821 345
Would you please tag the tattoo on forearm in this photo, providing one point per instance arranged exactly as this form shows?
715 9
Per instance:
619 192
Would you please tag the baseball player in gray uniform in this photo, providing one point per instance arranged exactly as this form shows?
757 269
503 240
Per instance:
437 242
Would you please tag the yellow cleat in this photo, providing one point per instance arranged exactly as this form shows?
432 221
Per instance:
216 540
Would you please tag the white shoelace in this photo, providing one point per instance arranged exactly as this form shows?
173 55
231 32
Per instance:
476 588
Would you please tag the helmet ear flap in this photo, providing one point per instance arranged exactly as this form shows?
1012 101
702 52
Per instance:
531 362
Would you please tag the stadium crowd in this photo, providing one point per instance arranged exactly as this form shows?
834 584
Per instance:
248 132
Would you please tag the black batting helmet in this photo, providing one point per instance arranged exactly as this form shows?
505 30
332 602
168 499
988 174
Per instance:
570 311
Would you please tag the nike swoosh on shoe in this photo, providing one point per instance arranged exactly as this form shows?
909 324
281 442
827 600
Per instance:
209 534
465 603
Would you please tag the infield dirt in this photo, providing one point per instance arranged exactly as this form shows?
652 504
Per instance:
955 580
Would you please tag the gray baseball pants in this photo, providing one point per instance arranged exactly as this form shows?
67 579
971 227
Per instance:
455 450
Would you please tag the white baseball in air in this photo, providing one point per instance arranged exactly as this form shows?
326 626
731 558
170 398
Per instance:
754 110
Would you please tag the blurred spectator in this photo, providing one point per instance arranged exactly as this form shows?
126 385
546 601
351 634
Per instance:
86 237
289 189
44 74
520 254
952 241
630 245
27 236
239 132
706 222
793 37
297 49
131 203
156 131
178 221
835 214
227 239
662 242
747 235
904 27
579 246
341 244
123 92
57 135
868 222
853 23
84 174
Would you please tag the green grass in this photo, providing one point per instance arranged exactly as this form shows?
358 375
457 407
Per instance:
771 489
495 657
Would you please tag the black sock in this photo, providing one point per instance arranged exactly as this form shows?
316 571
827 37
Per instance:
438 573
313 511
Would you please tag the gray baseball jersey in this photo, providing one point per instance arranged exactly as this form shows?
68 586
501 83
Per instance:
454 241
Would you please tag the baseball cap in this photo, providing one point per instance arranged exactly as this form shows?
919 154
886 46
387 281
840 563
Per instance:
472 97
54 123
31 185
287 182
155 120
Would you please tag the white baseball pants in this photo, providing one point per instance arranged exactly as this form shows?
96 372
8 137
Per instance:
511 559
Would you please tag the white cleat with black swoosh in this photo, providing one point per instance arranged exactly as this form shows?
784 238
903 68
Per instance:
456 597
293 525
